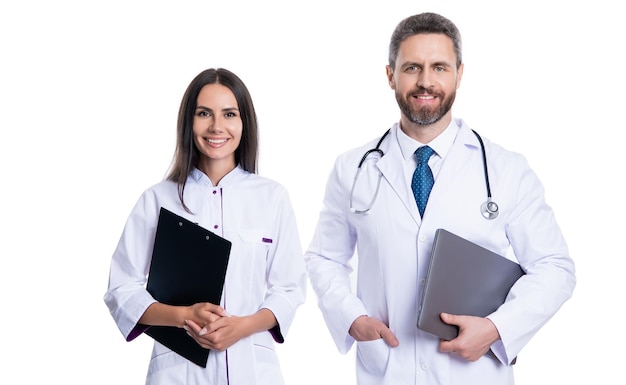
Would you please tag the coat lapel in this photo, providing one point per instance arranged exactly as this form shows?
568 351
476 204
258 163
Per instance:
455 165
391 168
456 160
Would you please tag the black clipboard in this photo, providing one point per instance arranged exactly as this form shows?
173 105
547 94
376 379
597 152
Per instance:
463 278
188 266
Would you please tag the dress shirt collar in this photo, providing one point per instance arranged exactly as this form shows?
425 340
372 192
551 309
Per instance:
441 144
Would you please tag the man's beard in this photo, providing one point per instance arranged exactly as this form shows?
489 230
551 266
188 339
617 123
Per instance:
424 116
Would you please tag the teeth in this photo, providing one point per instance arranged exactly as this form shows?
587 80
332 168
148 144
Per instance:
425 97
216 141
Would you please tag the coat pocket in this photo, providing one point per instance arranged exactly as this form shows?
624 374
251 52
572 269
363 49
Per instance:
255 236
373 355
166 367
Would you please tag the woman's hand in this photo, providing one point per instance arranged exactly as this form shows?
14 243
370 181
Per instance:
225 330
220 334
204 313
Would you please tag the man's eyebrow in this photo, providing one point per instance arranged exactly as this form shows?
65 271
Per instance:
442 63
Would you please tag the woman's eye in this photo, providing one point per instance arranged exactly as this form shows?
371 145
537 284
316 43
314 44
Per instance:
204 114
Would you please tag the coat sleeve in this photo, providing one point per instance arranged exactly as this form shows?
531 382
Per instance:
286 276
328 262
126 296
541 250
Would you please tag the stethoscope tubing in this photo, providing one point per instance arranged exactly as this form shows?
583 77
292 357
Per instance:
489 209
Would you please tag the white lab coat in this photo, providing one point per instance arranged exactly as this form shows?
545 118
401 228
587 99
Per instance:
265 270
393 245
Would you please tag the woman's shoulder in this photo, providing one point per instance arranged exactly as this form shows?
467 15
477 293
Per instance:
162 186
264 182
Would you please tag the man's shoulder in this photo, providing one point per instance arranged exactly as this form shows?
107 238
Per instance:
370 144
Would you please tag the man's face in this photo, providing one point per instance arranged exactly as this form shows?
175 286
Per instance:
425 78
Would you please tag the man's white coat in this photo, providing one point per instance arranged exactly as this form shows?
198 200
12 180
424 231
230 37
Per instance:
393 246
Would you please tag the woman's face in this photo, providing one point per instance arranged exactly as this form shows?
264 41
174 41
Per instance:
217 126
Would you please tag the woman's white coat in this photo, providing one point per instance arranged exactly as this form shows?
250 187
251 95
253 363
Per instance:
265 270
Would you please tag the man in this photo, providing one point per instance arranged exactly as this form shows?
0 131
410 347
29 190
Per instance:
379 213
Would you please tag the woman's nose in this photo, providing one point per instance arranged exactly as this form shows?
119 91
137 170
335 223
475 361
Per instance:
216 124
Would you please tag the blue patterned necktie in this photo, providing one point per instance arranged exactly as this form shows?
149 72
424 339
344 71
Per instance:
422 178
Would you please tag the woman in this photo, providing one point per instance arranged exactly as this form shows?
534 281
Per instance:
213 182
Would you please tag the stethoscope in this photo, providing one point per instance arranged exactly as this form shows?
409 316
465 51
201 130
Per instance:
489 209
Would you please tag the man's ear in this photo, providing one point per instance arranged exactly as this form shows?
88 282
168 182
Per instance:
459 75
389 71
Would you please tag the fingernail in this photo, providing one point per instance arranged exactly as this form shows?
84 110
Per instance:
202 331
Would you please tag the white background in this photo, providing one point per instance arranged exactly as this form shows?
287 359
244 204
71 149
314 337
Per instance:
89 93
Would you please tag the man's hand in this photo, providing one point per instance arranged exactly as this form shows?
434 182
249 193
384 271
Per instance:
366 328
476 334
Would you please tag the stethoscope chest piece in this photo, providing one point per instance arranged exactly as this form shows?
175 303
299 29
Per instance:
489 209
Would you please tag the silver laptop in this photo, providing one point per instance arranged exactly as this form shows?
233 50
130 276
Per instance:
465 279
